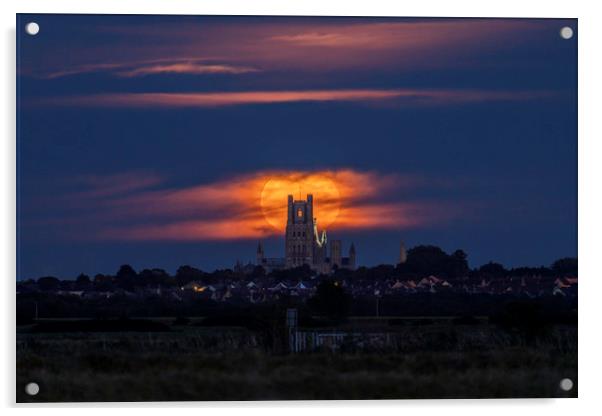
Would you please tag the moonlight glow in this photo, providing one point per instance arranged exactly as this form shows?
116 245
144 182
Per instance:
276 190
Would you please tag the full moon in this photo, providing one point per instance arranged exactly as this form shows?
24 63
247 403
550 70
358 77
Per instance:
276 190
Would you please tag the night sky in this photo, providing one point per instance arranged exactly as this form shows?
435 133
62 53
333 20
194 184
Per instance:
148 140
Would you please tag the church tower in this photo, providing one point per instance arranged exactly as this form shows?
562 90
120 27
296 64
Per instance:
299 238
352 256
403 256
260 254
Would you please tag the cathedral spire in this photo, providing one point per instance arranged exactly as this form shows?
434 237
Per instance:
260 255
403 256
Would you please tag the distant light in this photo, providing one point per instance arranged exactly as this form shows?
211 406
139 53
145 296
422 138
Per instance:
566 32
32 28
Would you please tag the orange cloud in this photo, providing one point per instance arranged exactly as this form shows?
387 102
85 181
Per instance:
409 35
185 68
255 206
80 69
151 67
219 99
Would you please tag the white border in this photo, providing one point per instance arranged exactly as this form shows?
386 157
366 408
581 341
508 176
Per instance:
590 202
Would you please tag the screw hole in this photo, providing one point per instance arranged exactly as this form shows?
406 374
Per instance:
32 28
566 33
566 384
32 389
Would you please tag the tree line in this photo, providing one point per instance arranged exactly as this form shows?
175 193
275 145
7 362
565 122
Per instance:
422 261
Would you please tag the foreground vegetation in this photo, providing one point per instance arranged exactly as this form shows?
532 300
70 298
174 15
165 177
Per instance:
190 362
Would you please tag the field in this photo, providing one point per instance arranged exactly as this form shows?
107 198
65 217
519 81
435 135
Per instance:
429 359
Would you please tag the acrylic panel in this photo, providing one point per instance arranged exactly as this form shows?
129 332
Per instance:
295 208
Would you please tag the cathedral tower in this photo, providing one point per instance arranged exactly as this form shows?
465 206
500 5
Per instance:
304 245
299 239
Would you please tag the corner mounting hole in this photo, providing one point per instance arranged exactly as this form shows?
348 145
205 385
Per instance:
566 32
566 384
32 389
32 28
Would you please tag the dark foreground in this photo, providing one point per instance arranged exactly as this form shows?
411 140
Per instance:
432 360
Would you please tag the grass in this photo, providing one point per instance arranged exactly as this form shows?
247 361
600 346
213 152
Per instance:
192 363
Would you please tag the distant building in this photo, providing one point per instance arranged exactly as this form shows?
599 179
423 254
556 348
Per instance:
240 267
304 245
269 264
403 256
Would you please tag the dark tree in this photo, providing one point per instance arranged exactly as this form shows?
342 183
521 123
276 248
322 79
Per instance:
126 277
298 273
427 260
83 282
382 271
258 272
565 267
458 265
126 272
187 274
152 277
330 300
492 270
48 283
343 274
103 282
83 279
532 271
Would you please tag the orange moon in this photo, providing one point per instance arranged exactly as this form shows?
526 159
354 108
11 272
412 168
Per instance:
274 197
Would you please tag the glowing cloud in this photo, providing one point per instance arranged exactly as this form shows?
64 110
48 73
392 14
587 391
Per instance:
413 97
186 68
255 205
322 187
195 66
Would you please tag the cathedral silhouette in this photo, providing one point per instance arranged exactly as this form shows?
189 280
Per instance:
304 245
